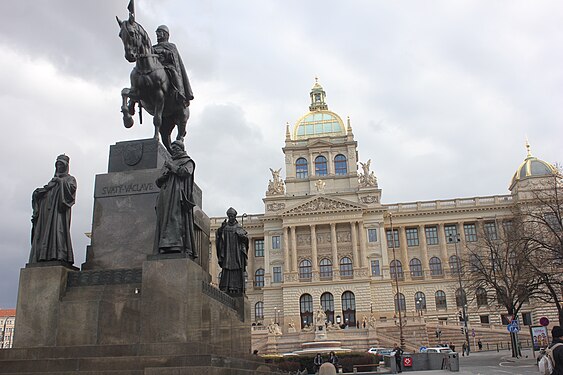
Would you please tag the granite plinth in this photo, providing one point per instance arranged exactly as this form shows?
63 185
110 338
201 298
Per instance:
124 218
172 302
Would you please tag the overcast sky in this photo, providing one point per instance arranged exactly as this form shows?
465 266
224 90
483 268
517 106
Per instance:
441 95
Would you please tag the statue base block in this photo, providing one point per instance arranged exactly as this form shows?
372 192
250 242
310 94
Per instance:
164 318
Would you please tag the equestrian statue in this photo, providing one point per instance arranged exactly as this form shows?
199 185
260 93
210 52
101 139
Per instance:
159 82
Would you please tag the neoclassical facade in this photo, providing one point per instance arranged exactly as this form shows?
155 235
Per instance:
326 241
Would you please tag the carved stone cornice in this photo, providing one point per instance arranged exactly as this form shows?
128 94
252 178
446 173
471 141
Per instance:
323 204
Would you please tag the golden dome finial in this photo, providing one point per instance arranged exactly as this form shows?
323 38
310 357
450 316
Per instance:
529 152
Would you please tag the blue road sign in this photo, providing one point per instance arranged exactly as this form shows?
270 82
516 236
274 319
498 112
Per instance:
513 328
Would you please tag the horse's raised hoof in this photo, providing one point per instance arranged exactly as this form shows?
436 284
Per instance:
127 121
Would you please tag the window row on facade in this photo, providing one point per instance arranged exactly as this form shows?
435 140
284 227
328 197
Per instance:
481 298
306 309
321 166
450 231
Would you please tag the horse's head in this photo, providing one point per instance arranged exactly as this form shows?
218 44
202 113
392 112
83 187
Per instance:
136 41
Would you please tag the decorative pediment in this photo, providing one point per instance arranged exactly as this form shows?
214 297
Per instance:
319 142
322 204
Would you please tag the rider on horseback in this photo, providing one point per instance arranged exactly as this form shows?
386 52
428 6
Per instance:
172 62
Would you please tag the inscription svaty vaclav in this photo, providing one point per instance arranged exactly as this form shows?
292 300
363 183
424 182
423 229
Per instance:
133 188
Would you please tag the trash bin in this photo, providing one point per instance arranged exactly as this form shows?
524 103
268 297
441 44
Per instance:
454 361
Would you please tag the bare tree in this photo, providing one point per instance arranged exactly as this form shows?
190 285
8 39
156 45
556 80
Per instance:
541 224
498 266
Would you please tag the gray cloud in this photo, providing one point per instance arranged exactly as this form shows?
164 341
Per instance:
441 95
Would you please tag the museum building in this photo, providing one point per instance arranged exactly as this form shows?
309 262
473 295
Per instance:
325 241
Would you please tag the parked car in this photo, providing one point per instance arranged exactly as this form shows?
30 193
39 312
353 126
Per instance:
380 351
439 349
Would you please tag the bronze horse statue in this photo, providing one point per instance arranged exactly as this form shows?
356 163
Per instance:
151 86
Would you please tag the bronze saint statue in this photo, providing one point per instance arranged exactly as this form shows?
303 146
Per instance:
174 205
159 82
50 233
232 254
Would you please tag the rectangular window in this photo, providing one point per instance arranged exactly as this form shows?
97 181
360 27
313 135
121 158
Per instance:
527 319
375 271
504 319
451 232
484 319
491 230
431 235
277 271
372 235
276 242
412 236
390 239
258 248
470 232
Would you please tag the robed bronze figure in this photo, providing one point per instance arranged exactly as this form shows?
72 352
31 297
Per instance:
174 205
232 254
50 234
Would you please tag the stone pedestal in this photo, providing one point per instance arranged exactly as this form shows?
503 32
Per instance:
124 220
129 311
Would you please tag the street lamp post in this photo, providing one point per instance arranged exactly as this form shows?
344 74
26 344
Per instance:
397 300
462 296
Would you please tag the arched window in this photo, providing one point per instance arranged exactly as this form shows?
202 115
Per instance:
325 268
306 310
327 303
301 169
416 267
340 166
259 278
460 298
305 269
435 266
346 268
400 302
259 310
481 295
440 299
420 301
349 308
454 264
397 267
320 166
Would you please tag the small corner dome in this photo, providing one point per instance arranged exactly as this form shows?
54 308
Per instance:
532 167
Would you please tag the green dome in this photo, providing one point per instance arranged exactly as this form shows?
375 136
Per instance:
533 167
319 124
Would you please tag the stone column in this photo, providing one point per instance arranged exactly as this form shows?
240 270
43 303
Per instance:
354 232
251 257
363 251
286 264
424 248
443 242
314 260
404 255
384 247
267 247
334 247
293 249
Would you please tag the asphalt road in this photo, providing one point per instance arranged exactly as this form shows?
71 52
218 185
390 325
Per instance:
494 363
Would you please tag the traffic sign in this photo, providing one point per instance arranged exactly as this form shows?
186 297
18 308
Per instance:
407 361
544 321
513 328
422 349
472 332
